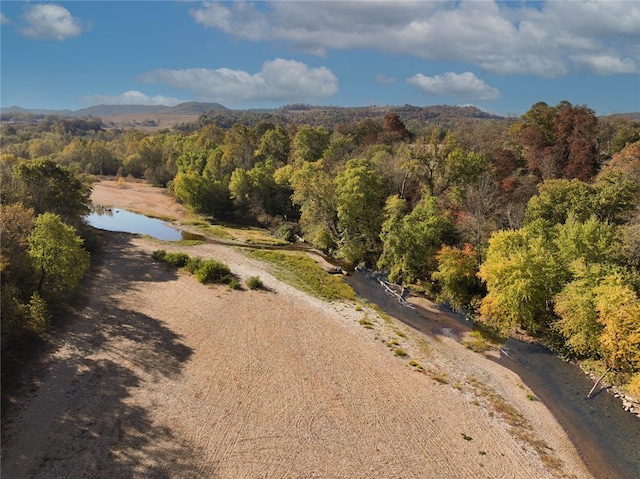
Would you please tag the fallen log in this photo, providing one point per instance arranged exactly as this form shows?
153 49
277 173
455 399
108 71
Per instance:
597 382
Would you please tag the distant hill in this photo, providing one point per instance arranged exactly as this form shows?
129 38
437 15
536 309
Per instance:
36 111
189 108
190 116
414 117
635 116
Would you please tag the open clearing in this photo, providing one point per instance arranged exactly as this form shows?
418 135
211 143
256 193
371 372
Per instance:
157 375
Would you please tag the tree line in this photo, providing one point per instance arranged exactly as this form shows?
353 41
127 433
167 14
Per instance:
530 223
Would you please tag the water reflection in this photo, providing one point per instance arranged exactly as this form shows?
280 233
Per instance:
116 219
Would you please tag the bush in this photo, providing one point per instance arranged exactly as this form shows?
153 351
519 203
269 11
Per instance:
178 260
212 271
234 283
254 282
38 314
159 254
287 232
174 259
193 265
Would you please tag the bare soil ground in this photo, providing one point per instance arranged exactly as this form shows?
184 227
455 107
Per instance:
148 122
157 375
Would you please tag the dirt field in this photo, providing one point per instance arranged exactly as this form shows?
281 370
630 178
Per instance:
158 376
148 122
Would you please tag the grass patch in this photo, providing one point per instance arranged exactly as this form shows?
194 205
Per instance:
440 378
400 353
366 322
304 273
392 343
477 343
385 317
532 397
520 426
417 366
483 338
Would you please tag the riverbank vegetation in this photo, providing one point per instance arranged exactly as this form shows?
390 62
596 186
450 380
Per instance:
529 223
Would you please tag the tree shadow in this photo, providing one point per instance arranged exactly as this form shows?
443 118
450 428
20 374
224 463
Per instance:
92 431
77 418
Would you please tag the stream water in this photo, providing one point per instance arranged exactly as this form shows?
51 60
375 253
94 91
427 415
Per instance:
607 437
116 219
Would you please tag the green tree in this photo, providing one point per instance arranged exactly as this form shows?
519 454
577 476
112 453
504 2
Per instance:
240 144
576 307
16 223
310 142
394 244
91 156
57 256
201 194
592 241
314 192
611 198
522 275
410 242
46 186
618 309
275 145
457 275
240 190
359 199
558 198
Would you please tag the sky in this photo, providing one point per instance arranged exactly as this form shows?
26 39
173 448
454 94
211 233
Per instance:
501 56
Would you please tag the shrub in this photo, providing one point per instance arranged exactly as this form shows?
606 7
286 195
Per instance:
159 254
178 260
633 386
37 313
174 259
254 282
287 232
213 271
234 283
193 264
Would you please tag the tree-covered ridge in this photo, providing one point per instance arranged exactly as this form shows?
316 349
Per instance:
530 223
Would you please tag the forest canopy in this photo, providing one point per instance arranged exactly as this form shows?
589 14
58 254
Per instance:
529 223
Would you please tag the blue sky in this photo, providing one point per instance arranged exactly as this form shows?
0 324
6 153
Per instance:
500 56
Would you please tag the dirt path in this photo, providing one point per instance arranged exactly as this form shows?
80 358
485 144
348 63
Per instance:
160 376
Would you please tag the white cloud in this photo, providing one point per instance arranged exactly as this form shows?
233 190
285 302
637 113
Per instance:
4 19
605 64
279 80
51 22
537 38
385 80
464 86
131 97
